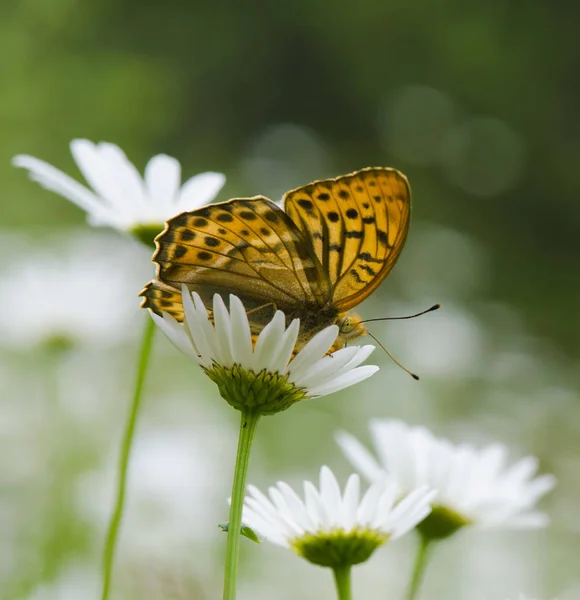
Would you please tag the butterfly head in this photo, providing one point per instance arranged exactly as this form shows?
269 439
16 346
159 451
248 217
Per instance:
350 327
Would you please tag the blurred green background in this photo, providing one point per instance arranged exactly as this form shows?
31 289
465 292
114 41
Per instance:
477 103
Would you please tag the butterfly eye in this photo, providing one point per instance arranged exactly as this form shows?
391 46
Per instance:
346 325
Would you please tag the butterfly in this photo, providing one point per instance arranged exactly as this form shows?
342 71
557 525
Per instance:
333 244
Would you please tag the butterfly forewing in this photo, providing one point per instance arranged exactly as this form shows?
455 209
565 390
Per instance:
248 247
357 225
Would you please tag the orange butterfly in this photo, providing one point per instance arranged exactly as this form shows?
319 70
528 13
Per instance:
331 246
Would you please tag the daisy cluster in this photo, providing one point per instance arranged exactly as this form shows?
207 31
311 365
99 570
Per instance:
415 481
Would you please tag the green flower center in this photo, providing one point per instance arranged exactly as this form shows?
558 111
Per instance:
147 233
339 548
441 523
265 392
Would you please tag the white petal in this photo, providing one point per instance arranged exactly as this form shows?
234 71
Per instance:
111 175
162 179
315 506
362 354
286 345
200 190
222 330
350 502
330 494
327 368
296 506
385 505
368 505
241 337
199 327
285 516
268 345
541 486
317 347
56 181
174 331
359 457
345 380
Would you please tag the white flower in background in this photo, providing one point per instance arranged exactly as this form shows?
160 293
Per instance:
81 293
475 486
263 375
330 528
120 197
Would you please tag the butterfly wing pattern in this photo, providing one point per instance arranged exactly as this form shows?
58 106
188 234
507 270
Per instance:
331 247
248 247
358 224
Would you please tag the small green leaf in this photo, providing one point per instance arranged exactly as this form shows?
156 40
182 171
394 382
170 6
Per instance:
245 531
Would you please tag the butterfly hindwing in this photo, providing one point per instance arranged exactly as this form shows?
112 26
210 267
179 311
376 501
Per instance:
248 247
160 297
357 225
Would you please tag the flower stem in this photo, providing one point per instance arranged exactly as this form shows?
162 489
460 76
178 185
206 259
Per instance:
419 568
342 580
124 456
247 431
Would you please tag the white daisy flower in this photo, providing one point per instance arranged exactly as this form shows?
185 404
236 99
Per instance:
330 528
475 486
120 197
264 375
82 293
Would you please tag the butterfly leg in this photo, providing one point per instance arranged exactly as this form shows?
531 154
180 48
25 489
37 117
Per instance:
262 307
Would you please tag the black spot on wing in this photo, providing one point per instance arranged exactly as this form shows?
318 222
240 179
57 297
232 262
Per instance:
179 252
211 241
225 218
271 216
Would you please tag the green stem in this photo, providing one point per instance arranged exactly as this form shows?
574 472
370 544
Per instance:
247 431
342 580
124 456
419 568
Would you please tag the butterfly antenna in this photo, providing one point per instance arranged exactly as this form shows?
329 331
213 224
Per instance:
416 377
423 312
